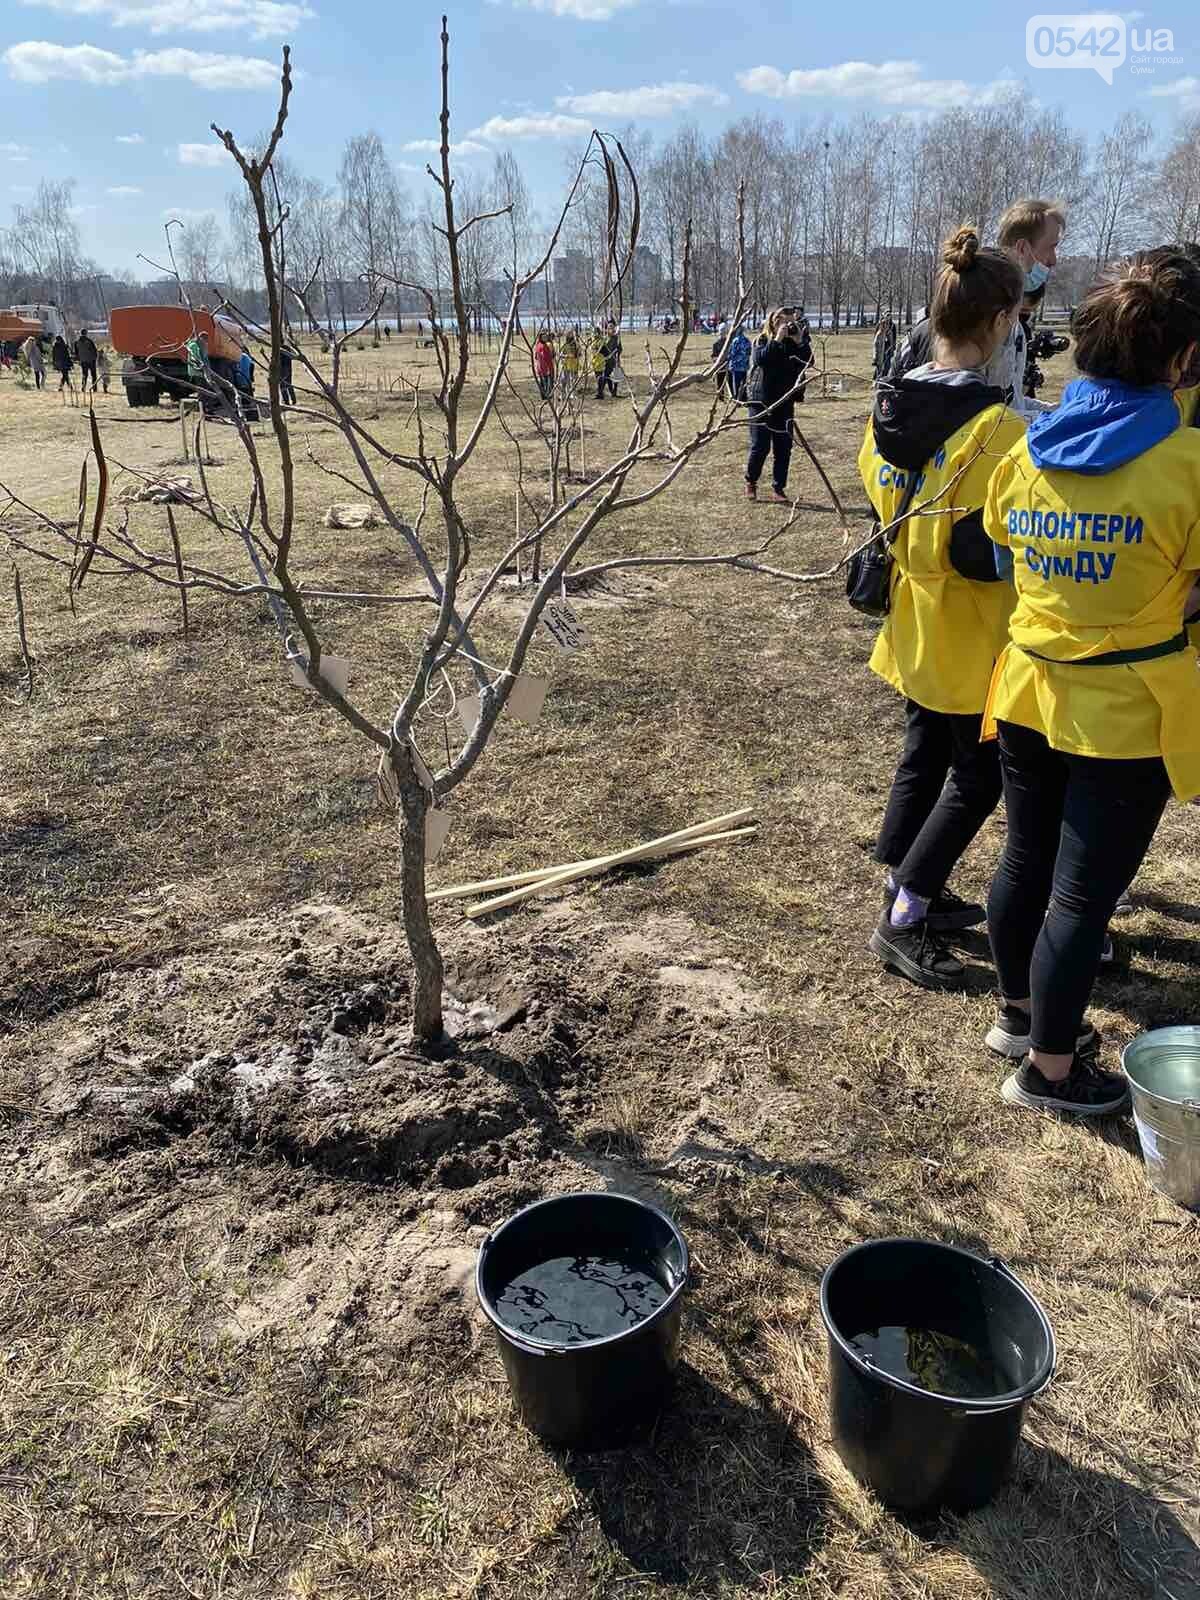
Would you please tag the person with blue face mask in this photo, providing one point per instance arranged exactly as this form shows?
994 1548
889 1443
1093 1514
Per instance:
1029 233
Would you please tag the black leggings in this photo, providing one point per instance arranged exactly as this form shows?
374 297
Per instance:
1078 830
946 787
770 436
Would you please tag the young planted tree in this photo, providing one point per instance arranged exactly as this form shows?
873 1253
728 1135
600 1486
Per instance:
456 581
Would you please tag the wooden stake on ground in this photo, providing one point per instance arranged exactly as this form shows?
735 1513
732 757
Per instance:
622 858
515 880
183 599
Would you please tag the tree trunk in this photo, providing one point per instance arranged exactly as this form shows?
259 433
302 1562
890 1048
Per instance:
428 972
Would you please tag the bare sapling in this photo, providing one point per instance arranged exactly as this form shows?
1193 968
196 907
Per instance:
455 584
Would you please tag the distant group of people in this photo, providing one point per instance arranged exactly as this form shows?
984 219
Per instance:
200 369
563 363
1042 623
91 358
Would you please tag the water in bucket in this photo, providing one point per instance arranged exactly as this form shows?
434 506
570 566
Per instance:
933 1361
571 1299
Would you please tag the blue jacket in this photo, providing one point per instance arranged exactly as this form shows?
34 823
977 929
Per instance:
739 353
1100 424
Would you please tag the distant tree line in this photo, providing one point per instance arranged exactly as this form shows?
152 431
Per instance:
843 215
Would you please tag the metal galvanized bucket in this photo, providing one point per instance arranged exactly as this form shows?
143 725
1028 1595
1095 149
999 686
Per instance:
1163 1068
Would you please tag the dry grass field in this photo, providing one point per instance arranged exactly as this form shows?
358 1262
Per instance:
239 1351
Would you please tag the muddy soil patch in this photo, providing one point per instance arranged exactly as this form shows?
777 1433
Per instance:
260 1094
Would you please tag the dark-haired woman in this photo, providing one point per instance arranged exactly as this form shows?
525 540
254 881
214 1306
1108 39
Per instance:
779 359
1096 700
948 617
60 360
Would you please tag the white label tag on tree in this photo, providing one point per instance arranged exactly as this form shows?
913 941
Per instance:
437 826
424 776
564 627
387 778
468 709
527 697
334 669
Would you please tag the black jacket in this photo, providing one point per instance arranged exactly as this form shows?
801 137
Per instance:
911 420
775 365
85 350
60 356
915 349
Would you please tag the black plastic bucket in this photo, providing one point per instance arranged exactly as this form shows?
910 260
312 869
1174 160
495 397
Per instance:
918 1450
601 1393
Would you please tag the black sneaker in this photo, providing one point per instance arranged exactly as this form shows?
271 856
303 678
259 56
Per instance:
1085 1090
1124 906
917 953
1009 1035
949 913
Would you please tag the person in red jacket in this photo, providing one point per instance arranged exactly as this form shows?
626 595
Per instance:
543 364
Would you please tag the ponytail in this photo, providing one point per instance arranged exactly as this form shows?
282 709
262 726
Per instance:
974 286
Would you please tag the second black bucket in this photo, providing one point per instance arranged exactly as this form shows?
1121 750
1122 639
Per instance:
588 1393
920 1450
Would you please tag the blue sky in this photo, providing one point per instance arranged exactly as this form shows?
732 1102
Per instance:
118 94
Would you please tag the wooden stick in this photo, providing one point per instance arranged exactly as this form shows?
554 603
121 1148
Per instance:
515 880
621 859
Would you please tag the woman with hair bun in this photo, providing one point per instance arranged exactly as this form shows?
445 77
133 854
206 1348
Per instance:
936 435
1096 699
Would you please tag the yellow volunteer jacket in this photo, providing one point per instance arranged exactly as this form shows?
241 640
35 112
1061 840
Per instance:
940 640
1102 563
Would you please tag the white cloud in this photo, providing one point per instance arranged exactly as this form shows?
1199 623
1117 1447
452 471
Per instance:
465 147
35 61
123 191
541 125
184 214
14 152
581 10
130 138
260 18
888 83
203 155
1185 90
656 100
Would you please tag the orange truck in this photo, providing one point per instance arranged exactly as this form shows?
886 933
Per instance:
153 340
15 330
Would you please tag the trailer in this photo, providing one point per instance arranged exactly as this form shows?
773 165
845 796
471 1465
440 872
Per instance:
15 330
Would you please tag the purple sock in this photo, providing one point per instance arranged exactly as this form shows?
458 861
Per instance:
907 909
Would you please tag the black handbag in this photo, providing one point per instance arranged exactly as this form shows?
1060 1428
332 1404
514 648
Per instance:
869 572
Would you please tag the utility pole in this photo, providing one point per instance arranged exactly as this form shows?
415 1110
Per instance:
824 236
